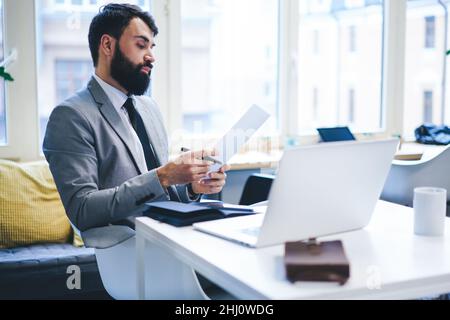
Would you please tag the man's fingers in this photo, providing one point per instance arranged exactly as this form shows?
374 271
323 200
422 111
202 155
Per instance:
192 158
209 152
212 183
200 169
218 175
225 168
202 153
215 190
212 190
199 177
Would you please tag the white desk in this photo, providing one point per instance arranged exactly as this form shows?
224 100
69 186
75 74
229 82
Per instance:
387 261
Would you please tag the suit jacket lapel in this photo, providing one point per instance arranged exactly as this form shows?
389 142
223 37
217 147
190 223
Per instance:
113 118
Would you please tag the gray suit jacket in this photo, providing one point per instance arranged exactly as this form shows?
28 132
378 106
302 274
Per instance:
93 162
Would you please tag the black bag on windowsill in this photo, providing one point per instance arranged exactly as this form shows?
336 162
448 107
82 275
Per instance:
432 134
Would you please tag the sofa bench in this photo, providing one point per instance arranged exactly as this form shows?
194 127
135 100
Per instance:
36 239
41 272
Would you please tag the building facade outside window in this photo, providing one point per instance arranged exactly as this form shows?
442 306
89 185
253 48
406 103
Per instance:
315 103
430 32
71 76
428 106
424 65
63 56
334 70
316 42
229 61
351 106
352 38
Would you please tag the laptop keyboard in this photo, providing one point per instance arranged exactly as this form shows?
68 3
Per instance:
254 231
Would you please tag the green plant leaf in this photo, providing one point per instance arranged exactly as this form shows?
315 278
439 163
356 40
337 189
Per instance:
8 77
448 52
5 75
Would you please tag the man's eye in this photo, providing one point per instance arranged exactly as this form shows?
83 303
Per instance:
141 46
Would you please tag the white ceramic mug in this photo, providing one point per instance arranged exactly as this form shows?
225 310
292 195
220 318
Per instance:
430 205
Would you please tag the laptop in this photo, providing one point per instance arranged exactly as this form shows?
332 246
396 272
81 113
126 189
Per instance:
319 190
335 134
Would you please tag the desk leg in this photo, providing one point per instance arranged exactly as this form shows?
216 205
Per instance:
140 266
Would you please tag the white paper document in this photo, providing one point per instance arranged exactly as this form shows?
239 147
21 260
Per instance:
239 134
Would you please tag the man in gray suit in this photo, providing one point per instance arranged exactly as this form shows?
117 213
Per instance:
106 145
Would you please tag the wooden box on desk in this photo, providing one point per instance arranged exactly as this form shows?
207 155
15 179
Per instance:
313 261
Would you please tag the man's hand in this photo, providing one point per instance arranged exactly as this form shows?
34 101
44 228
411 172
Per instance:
187 168
213 184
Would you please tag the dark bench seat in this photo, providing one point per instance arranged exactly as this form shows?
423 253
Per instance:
40 272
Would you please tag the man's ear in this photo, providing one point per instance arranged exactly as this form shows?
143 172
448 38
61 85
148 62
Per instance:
107 45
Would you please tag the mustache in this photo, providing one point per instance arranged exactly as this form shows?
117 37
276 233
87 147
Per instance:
146 64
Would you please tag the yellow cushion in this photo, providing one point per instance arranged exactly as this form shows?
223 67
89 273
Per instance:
77 241
31 210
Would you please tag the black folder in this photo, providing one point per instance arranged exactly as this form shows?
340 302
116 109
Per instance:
185 214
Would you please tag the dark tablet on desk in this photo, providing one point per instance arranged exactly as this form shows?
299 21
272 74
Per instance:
335 134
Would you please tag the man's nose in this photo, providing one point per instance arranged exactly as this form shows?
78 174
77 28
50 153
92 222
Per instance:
149 57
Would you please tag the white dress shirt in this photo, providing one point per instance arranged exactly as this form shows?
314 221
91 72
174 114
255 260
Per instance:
118 99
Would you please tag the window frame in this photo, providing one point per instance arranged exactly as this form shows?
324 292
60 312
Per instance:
21 109
3 84
23 121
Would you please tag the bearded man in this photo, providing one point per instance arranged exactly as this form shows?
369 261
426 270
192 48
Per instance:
106 146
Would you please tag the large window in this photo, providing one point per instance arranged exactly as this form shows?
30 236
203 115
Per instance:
347 71
2 85
311 63
229 61
425 79
64 60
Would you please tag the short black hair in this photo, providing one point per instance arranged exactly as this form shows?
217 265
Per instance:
113 19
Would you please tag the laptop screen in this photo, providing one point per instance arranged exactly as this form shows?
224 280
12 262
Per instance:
335 134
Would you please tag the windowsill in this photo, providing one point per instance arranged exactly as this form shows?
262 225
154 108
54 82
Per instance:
261 160
255 160
428 152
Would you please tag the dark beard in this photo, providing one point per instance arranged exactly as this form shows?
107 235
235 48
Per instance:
129 75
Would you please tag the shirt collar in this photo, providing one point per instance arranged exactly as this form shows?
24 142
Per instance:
116 96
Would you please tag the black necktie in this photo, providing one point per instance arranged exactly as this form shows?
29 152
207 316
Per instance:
149 153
